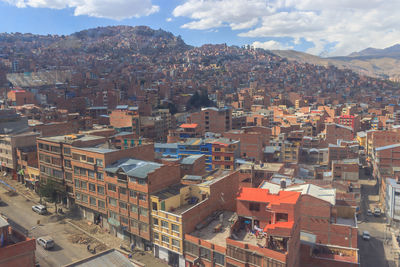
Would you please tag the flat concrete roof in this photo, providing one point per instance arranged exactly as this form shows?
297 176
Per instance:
219 238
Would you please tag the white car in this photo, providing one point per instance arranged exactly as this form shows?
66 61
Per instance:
39 209
366 235
46 242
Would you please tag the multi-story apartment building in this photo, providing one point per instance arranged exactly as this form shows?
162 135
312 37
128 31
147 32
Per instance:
224 153
197 146
264 231
213 119
55 156
8 149
125 118
88 164
129 184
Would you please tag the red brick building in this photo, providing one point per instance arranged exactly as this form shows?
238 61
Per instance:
16 249
265 232
212 119
20 97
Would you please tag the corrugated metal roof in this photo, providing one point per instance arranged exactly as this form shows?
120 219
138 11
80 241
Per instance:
133 167
190 159
387 147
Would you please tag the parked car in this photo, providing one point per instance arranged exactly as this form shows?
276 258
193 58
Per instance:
377 212
46 242
39 209
369 212
365 235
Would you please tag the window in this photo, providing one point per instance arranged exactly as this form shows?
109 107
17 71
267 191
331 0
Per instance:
254 206
92 187
91 174
134 208
227 167
99 162
219 258
112 187
132 194
143 227
77 196
67 151
92 201
156 236
176 243
68 176
143 211
217 149
191 248
122 190
113 215
90 160
76 170
165 238
205 253
217 158
227 158
82 172
124 220
55 149
85 198
175 227
100 190
84 185
112 201
141 181
154 205
155 221
134 224
102 204
142 197
123 205
100 176
58 174
77 184
164 224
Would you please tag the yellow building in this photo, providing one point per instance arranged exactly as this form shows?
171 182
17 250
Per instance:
362 138
168 217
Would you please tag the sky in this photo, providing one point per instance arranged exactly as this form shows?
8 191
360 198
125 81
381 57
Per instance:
318 27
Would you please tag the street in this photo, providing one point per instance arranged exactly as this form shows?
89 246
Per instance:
376 251
18 210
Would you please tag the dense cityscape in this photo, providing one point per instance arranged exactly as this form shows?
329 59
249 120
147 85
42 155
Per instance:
124 146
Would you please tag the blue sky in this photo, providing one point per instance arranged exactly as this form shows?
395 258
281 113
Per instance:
313 26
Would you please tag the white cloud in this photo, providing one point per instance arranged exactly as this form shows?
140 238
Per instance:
168 19
112 9
342 25
271 45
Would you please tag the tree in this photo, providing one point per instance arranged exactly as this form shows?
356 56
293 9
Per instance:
51 191
197 101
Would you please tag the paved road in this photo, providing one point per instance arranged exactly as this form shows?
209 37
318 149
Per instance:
372 252
18 210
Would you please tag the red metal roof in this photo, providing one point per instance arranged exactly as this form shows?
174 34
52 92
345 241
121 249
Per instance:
263 196
189 125
287 225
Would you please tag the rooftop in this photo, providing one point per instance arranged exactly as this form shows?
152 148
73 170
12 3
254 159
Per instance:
207 229
98 149
110 257
168 192
133 167
70 138
264 196
190 159
187 125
